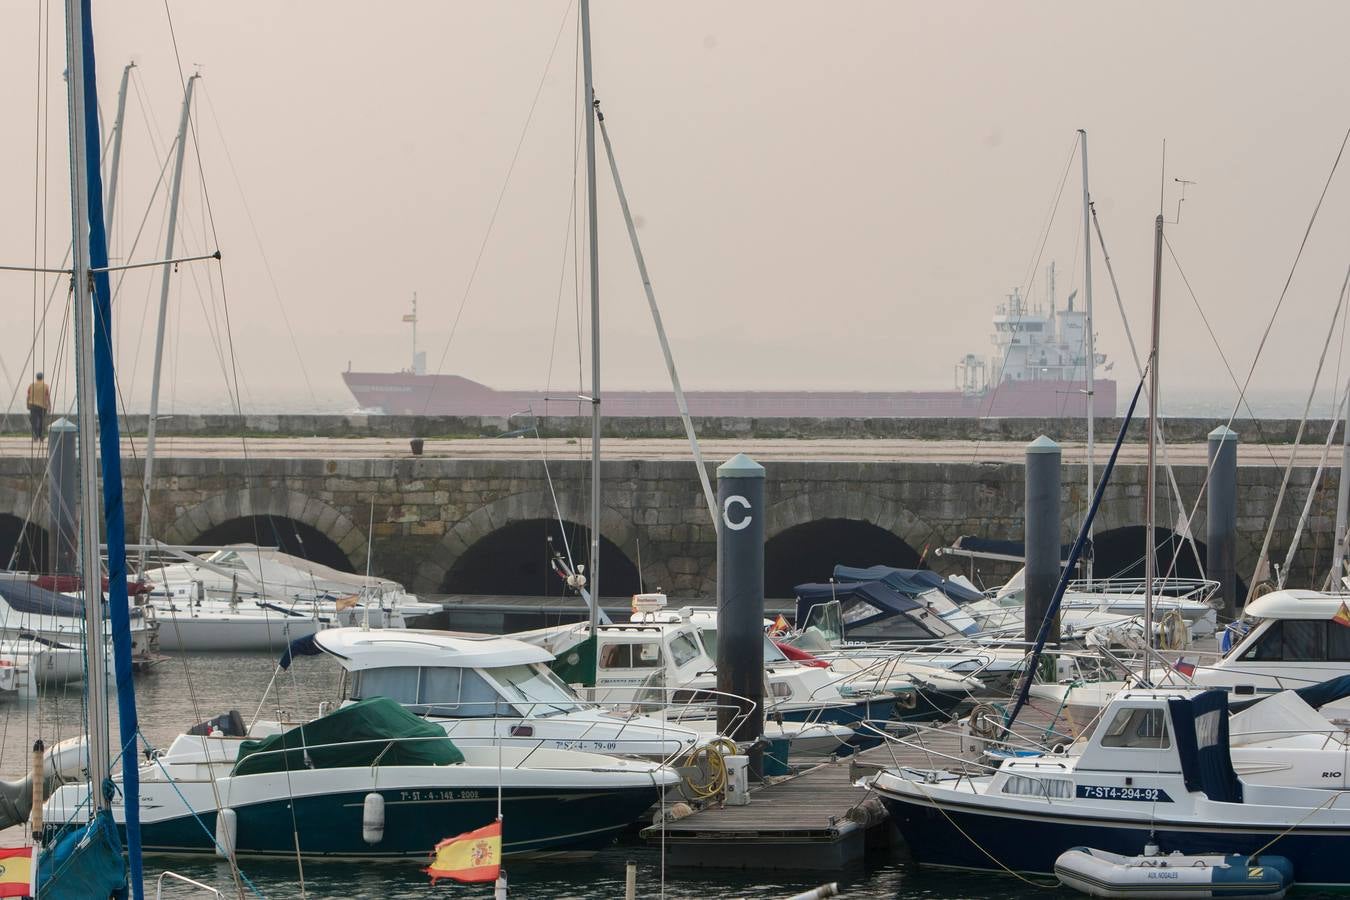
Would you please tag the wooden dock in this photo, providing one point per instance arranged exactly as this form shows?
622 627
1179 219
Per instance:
816 819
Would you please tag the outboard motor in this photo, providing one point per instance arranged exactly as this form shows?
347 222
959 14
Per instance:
229 724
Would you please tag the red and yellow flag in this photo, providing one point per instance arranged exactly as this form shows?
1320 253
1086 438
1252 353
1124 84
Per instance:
472 856
1342 616
16 871
781 625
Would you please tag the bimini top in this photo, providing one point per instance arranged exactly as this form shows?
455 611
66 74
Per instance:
388 647
1297 605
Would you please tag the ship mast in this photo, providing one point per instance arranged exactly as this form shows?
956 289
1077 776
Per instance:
413 319
1091 347
588 98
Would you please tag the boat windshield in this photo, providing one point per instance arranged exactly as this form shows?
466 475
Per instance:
771 652
535 684
825 619
440 691
226 559
709 637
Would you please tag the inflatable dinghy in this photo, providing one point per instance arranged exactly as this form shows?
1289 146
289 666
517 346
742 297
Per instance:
1174 875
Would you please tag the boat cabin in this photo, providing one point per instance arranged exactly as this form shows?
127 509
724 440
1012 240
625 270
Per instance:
1296 640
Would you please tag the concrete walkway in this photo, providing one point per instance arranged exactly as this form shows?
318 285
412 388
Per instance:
714 451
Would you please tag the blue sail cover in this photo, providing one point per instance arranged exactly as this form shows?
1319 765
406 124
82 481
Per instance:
84 862
25 597
110 457
910 582
1201 727
860 602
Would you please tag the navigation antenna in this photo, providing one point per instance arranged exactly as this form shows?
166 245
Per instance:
419 360
1180 200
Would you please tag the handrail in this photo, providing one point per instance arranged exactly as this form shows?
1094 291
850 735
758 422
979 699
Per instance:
159 883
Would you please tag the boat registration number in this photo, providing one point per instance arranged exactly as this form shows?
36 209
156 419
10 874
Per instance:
447 794
1111 792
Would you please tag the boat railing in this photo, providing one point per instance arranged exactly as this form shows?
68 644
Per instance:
1198 589
181 879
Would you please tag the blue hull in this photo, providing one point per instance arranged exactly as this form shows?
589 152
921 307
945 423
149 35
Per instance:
533 821
953 838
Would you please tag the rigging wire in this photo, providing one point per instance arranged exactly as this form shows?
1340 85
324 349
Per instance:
496 208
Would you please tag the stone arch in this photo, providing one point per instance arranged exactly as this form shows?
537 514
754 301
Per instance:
23 527
222 509
1119 553
882 527
522 507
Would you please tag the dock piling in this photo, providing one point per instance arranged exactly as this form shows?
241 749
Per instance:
64 543
1221 524
740 602
1041 535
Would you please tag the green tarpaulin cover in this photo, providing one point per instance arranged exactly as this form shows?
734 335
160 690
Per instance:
355 735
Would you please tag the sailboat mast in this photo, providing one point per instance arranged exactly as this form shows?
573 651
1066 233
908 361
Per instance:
1150 560
116 161
90 566
152 423
588 96
1091 347
1342 501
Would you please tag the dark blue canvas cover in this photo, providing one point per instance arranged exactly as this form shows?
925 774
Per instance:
1201 727
911 582
26 597
856 600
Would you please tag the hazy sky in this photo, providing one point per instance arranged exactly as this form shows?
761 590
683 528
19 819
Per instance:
831 195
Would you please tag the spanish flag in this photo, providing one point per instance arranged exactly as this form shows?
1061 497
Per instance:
472 856
16 871
781 625
1342 616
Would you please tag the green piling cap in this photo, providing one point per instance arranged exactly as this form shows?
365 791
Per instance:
1042 444
740 466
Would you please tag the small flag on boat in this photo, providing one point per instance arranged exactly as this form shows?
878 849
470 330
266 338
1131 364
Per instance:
16 871
1185 668
1342 616
781 625
410 317
346 602
472 856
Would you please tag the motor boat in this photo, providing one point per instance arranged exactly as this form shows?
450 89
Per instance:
370 780
1158 768
483 690
31 614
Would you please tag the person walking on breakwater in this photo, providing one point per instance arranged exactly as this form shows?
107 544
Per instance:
39 401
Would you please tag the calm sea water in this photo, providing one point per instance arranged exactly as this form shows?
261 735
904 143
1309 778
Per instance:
184 690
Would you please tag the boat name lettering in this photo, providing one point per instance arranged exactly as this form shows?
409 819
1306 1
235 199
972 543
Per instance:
1111 792
447 794
1163 873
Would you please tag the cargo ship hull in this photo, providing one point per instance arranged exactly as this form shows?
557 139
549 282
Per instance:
406 393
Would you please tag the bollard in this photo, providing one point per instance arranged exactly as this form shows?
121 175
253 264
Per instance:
740 602
1221 524
64 542
1041 536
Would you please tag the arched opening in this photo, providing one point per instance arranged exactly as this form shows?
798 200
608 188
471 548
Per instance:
810 551
288 535
23 545
1119 553
515 560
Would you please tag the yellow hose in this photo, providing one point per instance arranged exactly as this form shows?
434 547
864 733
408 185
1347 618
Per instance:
709 760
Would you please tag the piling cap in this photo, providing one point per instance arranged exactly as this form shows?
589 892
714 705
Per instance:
62 424
1223 433
1042 444
740 466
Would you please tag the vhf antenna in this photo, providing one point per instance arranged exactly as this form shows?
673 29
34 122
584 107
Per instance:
1180 200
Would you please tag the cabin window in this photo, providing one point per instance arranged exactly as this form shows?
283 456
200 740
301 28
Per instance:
683 648
440 686
1338 642
535 684
780 689
1137 728
398 683
709 638
1056 788
630 656
1299 640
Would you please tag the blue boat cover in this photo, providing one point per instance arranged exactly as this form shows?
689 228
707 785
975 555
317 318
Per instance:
860 602
26 597
911 582
84 862
1201 727
301 646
